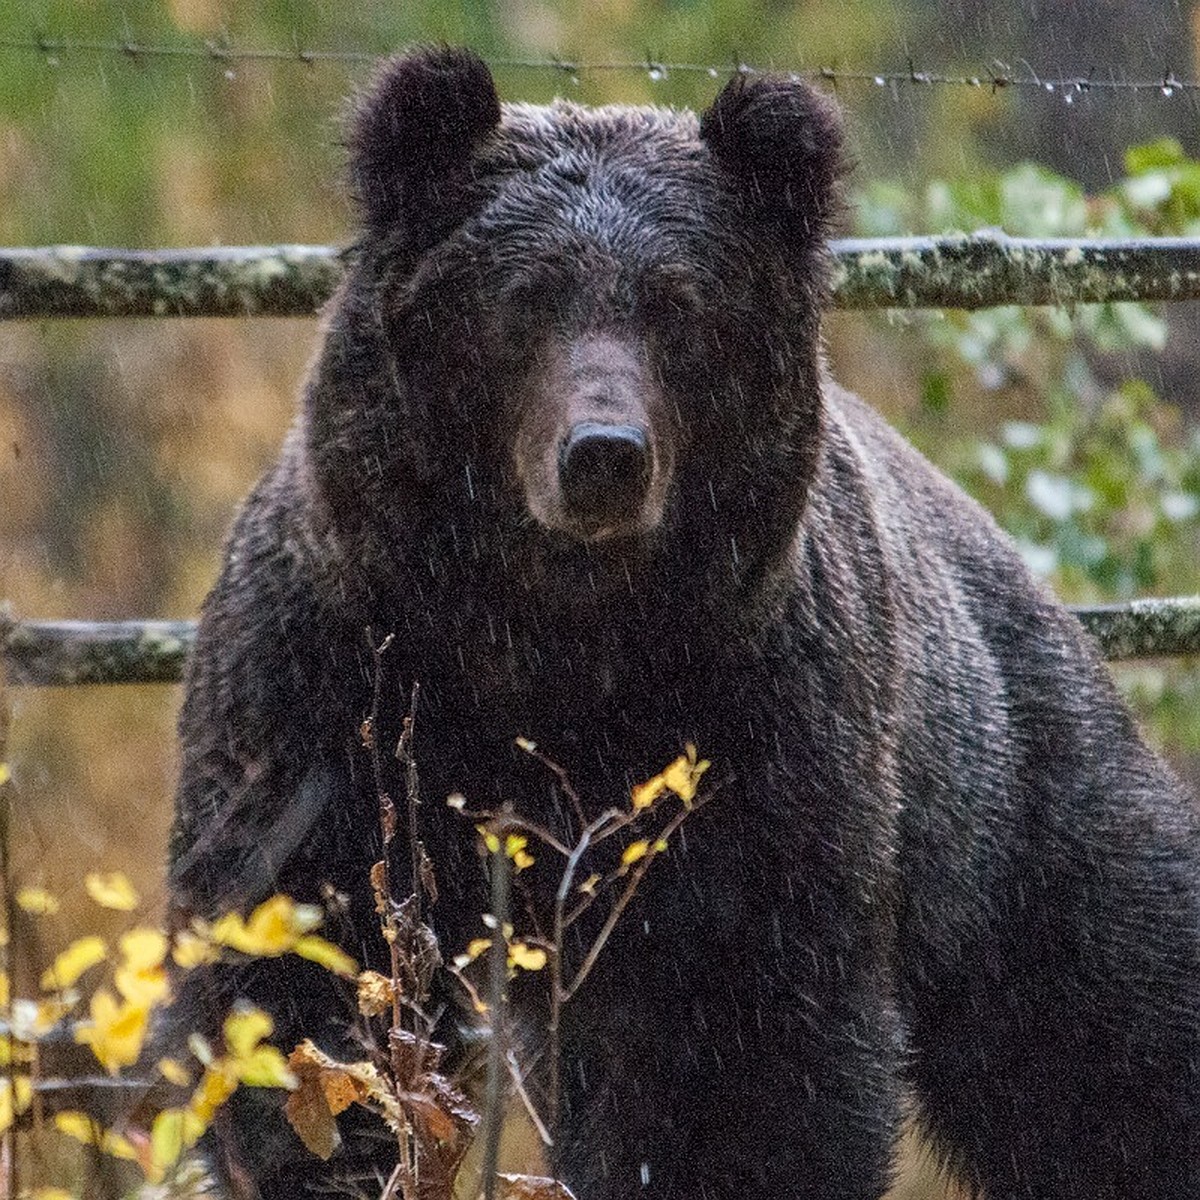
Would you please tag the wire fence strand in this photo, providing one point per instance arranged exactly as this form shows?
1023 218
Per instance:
996 76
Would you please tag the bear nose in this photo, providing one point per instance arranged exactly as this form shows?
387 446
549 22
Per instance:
604 469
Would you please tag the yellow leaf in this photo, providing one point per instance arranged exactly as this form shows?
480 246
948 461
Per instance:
173 1071
193 950
270 930
116 1031
38 901
118 1146
375 994
244 1028
333 958
51 1193
633 852
5 989
528 958
85 1129
111 891
475 947
81 955
143 949
166 1141
514 848
588 886
16 1094
683 775
147 988
174 1131
644 794
5 773
491 841
216 1085
266 1067
76 1125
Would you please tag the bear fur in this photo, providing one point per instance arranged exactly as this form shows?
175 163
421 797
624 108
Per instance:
570 439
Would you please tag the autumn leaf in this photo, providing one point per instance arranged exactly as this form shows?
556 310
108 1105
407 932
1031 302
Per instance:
88 1130
271 929
190 949
16 1094
115 1032
531 1187
333 958
326 1087
681 777
528 958
80 956
37 901
375 994
173 1071
174 1131
111 891
633 852
142 978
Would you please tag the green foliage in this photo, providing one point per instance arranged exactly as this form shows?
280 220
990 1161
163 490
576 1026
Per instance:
1098 479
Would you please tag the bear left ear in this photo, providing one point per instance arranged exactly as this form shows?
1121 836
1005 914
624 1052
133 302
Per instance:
781 141
412 134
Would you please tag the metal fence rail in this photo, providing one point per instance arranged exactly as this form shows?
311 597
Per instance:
979 270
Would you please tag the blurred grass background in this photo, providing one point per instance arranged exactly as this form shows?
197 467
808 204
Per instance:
125 446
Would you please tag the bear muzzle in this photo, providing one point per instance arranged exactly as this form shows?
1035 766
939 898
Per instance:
604 471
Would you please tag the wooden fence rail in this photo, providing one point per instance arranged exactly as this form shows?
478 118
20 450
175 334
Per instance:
979 270
972 271
62 653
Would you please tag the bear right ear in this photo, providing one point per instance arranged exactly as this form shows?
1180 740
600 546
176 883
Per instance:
780 141
412 133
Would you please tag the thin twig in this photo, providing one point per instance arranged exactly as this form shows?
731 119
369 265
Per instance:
493 1108
635 877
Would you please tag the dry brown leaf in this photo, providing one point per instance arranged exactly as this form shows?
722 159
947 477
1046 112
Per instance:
531 1187
375 994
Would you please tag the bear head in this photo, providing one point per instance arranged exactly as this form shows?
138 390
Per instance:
583 342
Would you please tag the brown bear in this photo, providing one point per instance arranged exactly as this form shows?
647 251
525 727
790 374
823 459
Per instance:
571 440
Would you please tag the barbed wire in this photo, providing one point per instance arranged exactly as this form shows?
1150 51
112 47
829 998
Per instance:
998 76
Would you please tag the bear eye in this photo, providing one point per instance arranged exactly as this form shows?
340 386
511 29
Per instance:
670 292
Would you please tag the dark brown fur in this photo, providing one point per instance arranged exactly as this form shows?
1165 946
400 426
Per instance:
939 860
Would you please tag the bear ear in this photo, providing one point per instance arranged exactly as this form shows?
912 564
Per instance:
413 131
781 141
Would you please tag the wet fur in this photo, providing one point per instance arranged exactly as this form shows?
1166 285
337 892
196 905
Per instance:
939 858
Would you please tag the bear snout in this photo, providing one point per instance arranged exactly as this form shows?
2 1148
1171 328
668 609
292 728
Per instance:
593 448
604 470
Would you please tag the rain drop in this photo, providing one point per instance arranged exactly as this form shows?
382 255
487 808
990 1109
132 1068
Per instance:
880 81
656 74
1168 90
230 74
